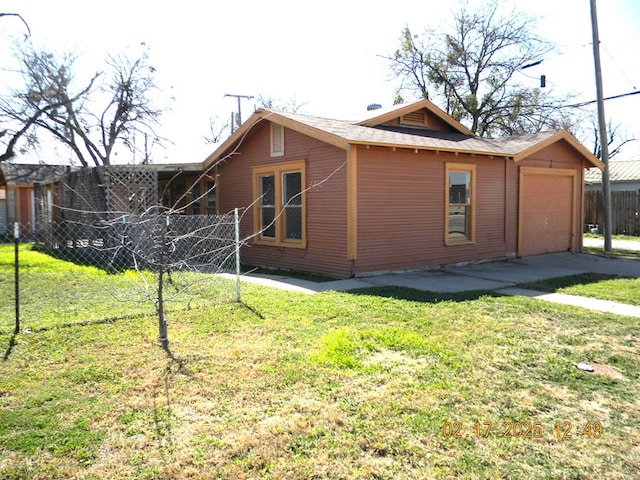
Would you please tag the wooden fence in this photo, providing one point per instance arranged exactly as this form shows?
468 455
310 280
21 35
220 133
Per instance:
625 211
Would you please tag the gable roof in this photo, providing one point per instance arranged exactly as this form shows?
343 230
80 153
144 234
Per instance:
368 130
619 171
381 115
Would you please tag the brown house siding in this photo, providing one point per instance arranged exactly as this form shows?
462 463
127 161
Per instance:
376 200
401 209
511 208
325 202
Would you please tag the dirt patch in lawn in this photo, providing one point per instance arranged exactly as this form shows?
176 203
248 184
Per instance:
599 369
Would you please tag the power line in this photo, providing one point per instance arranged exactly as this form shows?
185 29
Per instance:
624 74
582 104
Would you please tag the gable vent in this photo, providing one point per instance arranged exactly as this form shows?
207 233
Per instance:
418 118
277 140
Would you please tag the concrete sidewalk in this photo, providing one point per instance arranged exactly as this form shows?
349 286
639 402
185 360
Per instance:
501 276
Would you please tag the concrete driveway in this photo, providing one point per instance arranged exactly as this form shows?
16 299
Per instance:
480 276
501 276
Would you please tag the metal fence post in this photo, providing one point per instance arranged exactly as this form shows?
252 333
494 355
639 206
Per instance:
236 219
16 236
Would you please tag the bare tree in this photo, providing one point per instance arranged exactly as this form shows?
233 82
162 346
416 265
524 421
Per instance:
272 103
172 251
91 118
617 139
472 71
216 130
134 229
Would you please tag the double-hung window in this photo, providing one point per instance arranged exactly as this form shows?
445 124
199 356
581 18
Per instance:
460 203
279 212
267 202
292 205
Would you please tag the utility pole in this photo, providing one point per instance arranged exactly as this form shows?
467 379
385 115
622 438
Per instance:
238 119
604 140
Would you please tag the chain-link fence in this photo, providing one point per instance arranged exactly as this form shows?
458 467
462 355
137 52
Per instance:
71 271
204 243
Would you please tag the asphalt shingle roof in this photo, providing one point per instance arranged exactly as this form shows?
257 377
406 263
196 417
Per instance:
372 129
430 139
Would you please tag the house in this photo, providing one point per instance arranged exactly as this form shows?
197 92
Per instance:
624 182
22 194
400 188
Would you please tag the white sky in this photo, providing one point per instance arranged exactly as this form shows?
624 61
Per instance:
324 55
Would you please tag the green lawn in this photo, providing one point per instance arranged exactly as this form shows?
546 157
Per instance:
594 285
614 237
614 252
380 383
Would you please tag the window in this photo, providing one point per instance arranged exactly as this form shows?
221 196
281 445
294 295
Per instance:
279 213
292 205
277 140
194 199
267 204
210 197
460 204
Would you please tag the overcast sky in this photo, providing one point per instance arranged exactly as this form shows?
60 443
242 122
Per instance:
324 55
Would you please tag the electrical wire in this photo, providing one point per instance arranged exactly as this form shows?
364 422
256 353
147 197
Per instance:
619 67
582 104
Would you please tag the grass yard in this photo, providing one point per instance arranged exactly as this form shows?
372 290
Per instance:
595 285
614 252
374 384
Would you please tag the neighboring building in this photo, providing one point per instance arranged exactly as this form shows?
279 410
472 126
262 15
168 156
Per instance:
624 182
116 190
21 189
31 194
400 188
623 175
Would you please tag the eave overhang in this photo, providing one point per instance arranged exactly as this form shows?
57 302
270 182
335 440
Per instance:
423 148
226 148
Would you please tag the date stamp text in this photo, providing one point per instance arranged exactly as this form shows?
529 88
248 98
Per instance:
522 430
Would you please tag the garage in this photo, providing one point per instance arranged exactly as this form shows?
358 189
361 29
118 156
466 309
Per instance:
546 218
